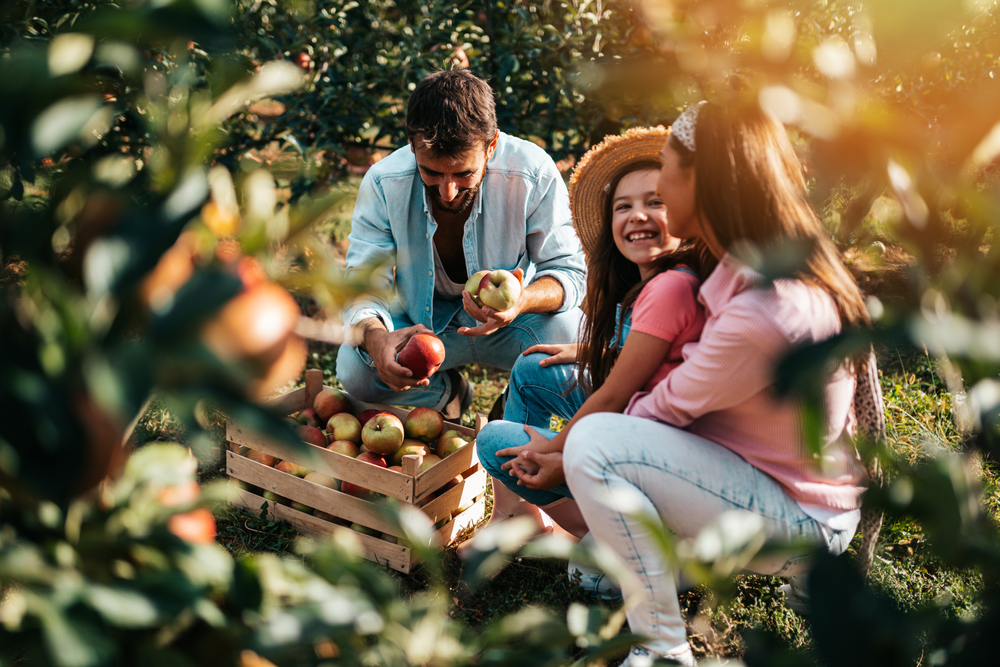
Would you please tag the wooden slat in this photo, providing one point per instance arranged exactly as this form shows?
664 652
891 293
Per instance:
380 551
349 508
450 466
465 492
470 517
286 404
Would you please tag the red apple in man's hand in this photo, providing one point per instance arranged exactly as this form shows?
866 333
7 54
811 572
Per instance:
329 402
423 424
345 447
312 435
499 290
383 434
344 426
472 286
422 354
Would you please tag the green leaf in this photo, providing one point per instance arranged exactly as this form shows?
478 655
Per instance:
123 606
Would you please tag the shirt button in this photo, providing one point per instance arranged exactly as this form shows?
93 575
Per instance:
427 235
430 273
428 309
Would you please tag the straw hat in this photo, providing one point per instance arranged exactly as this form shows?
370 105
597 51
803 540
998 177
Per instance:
590 184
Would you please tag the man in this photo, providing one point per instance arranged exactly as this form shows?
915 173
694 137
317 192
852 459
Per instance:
460 198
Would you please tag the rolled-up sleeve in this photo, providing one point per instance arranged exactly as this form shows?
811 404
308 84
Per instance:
371 255
552 243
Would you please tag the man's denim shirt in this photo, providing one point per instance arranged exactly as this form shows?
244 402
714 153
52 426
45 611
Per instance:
519 219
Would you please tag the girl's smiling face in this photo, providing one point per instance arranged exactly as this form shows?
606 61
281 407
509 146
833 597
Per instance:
639 221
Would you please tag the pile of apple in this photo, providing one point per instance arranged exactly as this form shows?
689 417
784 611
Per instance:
377 438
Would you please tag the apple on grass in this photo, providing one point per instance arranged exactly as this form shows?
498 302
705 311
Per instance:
422 354
423 424
344 426
500 290
383 434
330 401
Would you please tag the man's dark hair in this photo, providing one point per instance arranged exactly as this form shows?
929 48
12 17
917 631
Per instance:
451 111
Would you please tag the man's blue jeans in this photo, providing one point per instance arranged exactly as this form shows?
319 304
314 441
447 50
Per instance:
356 370
535 394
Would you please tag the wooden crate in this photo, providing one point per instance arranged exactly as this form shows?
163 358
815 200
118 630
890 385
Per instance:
410 486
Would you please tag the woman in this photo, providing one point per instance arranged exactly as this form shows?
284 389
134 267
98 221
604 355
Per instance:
628 341
716 435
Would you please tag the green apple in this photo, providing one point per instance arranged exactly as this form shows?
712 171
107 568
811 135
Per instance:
499 290
472 286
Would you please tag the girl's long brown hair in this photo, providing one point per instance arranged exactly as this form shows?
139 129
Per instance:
749 186
613 279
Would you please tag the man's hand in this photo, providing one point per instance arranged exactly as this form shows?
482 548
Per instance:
383 346
491 319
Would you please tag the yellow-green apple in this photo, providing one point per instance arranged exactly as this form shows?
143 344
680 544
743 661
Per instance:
365 530
409 446
305 509
500 290
422 354
429 461
323 480
450 446
446 436
345 447
423 424
312 435
308 417
292 468
472 286
344 426
383 434
330 401
275 498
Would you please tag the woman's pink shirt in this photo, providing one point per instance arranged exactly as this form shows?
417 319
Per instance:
723 390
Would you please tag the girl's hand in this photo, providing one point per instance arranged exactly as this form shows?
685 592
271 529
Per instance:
549 470
536 443
564 353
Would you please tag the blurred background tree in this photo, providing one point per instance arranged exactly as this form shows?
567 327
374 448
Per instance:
140 235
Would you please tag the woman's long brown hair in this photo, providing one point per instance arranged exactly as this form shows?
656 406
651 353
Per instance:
614 279
749 186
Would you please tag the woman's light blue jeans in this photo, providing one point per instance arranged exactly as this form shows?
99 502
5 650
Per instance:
535 393
686 481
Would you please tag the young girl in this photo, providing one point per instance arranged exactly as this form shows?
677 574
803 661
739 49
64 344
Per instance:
714 436
640 310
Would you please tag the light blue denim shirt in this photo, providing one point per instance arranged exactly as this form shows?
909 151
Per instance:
519 219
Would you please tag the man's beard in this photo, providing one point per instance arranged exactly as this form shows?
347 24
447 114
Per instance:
460 204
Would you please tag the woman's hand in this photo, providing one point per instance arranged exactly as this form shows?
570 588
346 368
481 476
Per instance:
548 470
564 353
536 443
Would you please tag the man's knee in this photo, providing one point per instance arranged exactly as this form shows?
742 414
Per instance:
359 379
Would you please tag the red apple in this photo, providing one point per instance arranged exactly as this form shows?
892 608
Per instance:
308 417
261 457
453 482
409 447
345 447
472 286
383 434
374 459
292 468
499 290
179 494
366 415
423 424
329 402
312 435
422 354
450 446
323 480
197 526
344 426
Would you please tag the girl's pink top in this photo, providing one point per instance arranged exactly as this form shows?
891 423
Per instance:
723 390
668 308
